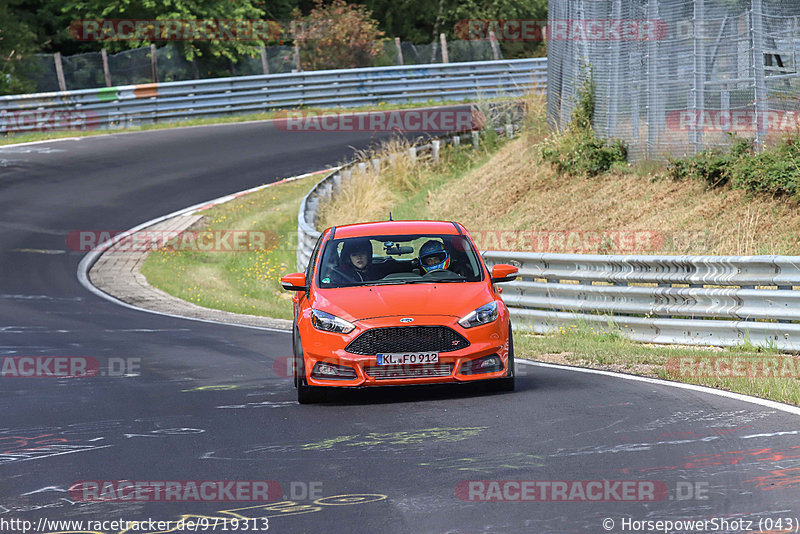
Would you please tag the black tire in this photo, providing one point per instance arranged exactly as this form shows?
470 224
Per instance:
509 382
309 394
305 394
297 354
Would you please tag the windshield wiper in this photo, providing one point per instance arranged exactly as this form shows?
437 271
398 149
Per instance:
436 281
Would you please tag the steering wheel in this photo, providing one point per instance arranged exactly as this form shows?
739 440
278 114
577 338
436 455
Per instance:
344 275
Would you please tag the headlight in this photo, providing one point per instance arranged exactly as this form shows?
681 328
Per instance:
330 323
485 314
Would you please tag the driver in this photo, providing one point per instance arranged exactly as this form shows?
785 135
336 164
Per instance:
433 257
355 264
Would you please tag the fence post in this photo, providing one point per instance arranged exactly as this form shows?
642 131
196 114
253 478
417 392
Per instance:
475 141
62 85
154 63
493 42
435 150
610 118
725 104
457 140
297 57
106 71
399 50
362 167
445 57
376 164
698 101
652 86
510 131
264 62
756 13
412 154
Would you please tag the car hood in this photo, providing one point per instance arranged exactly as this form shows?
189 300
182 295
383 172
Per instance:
367 302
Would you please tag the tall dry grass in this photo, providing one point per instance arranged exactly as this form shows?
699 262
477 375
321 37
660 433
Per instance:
370 195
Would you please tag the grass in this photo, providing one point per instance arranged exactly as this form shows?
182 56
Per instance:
240 282
13 138
598 348
402 187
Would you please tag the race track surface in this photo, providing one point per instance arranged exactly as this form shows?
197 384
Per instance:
209 404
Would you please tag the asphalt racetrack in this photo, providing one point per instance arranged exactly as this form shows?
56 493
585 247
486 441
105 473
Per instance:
206 403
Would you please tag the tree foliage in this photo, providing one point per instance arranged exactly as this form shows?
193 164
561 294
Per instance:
338 35
173 10
16 40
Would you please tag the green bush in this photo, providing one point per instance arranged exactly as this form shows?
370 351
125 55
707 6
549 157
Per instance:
775 170
579 151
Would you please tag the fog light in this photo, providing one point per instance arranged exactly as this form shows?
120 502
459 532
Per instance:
331 371
487 364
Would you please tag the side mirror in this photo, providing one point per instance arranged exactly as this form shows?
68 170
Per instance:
503 273
294 282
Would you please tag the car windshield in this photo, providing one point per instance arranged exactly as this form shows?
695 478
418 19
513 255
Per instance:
397 260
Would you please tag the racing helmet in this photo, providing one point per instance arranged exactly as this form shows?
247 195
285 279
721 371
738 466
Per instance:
433 257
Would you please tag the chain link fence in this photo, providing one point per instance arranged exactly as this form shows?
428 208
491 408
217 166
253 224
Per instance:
86 71
673 77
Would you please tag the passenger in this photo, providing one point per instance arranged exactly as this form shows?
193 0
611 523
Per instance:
355 264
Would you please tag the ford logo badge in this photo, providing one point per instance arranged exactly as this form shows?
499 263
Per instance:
407 320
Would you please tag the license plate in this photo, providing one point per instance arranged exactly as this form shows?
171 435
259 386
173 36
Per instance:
408 358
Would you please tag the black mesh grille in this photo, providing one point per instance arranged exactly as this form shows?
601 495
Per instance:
389 372
407 339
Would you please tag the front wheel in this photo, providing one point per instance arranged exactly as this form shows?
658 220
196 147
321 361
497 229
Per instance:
305 394
309 394
508 383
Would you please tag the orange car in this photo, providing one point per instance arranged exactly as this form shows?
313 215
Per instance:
398 303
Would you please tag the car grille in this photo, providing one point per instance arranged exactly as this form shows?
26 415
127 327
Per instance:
393 372
407 339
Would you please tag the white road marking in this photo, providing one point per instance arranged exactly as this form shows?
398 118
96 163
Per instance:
795 410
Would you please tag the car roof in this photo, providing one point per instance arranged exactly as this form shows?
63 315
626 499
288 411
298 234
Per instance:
397 228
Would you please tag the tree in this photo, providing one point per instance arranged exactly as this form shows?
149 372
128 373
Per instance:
16 40
421 21
230 49
339 35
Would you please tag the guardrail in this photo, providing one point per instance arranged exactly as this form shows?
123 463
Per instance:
115 107
696 300
307 234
